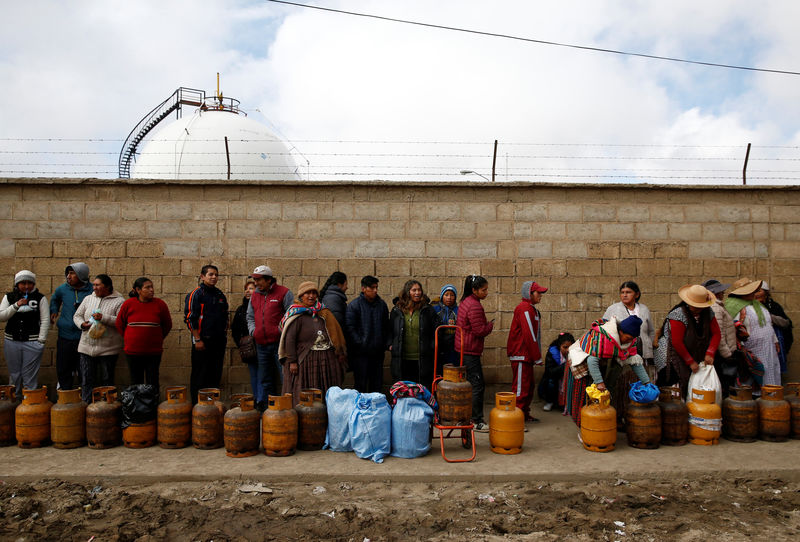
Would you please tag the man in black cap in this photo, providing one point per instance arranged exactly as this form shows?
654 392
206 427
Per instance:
66 299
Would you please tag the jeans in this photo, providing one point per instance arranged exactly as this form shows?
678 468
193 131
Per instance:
266 374
207 365
24 359
67 362
475 377
89 366
368 371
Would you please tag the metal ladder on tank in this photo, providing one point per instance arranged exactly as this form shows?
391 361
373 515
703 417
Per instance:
182 96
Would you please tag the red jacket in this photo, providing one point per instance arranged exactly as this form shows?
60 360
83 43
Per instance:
525 335
472 319
268 309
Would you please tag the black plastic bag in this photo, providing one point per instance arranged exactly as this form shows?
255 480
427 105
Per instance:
139 404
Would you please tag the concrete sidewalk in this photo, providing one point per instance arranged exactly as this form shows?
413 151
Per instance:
551 452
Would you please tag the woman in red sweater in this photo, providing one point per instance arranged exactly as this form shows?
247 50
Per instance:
144 321
472 320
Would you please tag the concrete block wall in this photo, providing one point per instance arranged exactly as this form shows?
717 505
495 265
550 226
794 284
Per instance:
581 241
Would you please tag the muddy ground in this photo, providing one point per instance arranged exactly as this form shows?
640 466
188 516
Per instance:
700 508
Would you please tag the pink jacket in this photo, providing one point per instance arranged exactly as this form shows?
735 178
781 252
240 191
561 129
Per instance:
472 319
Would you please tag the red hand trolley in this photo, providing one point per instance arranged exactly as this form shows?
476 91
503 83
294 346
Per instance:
467 434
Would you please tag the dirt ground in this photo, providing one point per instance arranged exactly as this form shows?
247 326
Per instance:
687 509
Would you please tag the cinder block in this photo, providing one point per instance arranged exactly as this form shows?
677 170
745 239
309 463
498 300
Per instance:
784 249
295 248
127 230
565 213
458 230
584 268
546 268
462 268
666 213
333 248
163 230
478 249
117 267
759 213
259 248
314 230
73 211
733 214
535 249
547 230
372 249
371 211
162 266
523 230
34 248
479 212
209 210
719 232
102 211
260 210
636 250
108 249
704 250
173 211
8 248
180 249
742 249
424 230
427 267
405 248
720 268
583 231
387 230
671 250
651 231
443 211
685 232
80 230
599 213
603 249
531 213
789 214
570 249
138 211
30 210
494 230
211 248
497 268
442 249
394 267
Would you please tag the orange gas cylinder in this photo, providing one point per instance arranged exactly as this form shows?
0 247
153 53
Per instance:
279 426
139 435
793 396
643 425
506 424
312 420
33 419
599 424
705 418
8 404
103 419
175 419
207 420
740 415
774 414
241 428
674 417
235 400
68 420
454 395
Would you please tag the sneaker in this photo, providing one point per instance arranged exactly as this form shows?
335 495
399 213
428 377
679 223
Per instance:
482 427
547 407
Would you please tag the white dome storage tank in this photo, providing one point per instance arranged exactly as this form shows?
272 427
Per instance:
193 147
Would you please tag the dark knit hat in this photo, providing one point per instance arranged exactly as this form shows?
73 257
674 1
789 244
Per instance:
632 325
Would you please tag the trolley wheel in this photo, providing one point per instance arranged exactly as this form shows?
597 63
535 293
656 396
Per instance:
466 438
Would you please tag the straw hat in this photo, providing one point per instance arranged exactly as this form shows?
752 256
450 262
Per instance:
745 286
306 287
697 296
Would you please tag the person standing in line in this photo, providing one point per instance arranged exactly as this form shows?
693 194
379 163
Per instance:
630 304
268 304
524 346
100 343
26 311
368 335
206 316
446 315
64 302
781 323
726 362
239 331
333 296
413 329
474 328
144 322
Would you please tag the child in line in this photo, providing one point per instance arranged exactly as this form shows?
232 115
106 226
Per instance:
446 315
524 345
551 384
472 320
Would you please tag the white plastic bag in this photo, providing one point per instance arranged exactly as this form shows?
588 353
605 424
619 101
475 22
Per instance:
705 379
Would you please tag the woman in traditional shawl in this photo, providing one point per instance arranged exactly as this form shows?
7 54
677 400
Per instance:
598 357
781 323
690 335
762 342
312 347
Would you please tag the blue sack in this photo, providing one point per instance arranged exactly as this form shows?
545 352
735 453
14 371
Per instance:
371 427
340 404
411 428
643 393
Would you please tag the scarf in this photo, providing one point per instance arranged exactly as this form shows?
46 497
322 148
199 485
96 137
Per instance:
297 308
600 343
405 388
734 305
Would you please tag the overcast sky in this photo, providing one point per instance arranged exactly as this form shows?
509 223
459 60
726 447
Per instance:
91 70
